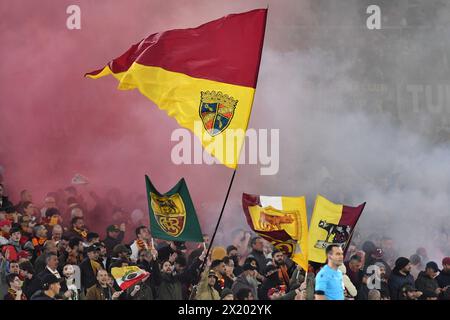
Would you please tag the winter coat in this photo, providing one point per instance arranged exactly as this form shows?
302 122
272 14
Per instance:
204 290
397 281
171 286
260 259
443 280
240 283
96 292
110 243
426 284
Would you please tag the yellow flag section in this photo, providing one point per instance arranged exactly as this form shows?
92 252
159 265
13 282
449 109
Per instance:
203 106
284 213
128 276
330 224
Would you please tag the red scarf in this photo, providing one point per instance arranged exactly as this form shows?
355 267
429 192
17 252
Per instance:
142 245
283 275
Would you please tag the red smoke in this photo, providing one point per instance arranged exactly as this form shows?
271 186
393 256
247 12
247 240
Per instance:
55 123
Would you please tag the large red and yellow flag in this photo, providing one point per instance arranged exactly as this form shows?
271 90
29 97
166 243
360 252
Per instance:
330 224
204 77
280 220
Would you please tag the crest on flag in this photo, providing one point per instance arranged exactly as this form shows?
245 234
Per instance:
169 212
216 111
336 234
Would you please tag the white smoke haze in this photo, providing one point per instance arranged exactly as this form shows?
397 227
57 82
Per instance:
349 128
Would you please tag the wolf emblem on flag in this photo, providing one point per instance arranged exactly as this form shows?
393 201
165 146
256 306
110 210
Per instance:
169 212
336 234
216 111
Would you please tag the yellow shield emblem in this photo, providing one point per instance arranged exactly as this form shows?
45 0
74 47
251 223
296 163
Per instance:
169 212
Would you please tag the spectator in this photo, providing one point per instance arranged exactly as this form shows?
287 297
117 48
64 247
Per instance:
50 288
426 281
40 263
114 236
78 229
5 227
443 279
246 280
245 294
27 275
15 288
5 204
92 238
408 292
89 267
141 243
400 276
354 270
374 294
416 265
102 290
206 287
226 294
257 246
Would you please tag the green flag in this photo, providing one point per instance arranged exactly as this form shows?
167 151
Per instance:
172 214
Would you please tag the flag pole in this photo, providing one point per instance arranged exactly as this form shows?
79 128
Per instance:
215 231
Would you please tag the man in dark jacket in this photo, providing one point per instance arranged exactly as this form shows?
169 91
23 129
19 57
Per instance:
89 268
114 236
50 288
257 253
426 281
400 276
443 279
272 280
171 283
246 280
354 270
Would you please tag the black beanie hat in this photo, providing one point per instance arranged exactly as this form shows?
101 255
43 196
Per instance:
401 262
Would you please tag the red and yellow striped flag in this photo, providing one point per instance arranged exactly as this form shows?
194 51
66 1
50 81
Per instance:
331 223
204 77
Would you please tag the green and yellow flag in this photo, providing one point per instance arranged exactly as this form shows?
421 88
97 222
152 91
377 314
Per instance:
172 214
204 77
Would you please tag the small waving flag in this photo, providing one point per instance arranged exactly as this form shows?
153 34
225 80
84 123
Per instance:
128 276
172 214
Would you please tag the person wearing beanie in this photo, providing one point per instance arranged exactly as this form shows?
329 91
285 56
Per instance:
400 276
426 281
443 279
